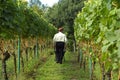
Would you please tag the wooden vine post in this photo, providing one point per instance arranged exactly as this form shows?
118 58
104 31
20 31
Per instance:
103 70
81 57
5 57
15 66
5 77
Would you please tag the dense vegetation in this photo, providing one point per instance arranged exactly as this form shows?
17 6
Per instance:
92 28
16 17
22 28
63 14
98 27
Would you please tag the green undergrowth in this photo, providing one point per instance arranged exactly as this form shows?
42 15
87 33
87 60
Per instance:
69 70
98 73
30 66
45 68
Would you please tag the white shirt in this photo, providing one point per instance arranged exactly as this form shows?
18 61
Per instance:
59 37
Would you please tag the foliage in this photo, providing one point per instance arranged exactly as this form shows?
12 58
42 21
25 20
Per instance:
64 13
18 19
68 70
99 22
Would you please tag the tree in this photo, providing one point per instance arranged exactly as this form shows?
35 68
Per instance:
35 2
63 14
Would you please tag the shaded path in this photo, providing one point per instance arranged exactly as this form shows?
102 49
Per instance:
69 70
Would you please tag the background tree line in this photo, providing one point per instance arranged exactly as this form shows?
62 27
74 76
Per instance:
63 14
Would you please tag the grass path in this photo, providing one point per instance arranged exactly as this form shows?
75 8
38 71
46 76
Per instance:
69 70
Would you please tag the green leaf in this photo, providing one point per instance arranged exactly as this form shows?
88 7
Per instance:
104 56
105 47
105 41
112 12
115 66
99 39
117 24
108 65
110 36
118 13
118 45
117 34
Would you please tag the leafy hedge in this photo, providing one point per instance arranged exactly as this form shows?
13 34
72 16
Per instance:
99 23
17 18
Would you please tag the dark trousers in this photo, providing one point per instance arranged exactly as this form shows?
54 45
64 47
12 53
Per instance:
59 51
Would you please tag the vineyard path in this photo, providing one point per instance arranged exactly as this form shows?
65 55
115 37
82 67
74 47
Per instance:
69 70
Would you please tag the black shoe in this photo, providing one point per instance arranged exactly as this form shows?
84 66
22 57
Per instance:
60 62
57 62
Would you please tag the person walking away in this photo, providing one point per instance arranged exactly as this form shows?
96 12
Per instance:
59 40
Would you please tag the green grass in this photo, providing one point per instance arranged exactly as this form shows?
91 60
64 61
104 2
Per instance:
28 65
45 68
69 70
98 73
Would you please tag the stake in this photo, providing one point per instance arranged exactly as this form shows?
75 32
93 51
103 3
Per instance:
81 57
4 70
19 54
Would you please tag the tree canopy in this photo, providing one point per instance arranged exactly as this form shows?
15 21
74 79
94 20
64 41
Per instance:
63 14
16 18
